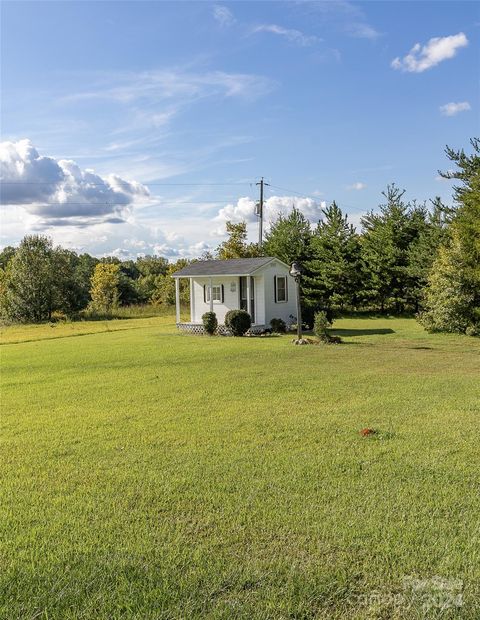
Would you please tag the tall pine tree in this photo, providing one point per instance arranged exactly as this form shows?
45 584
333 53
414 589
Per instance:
289 238
333 273
452 297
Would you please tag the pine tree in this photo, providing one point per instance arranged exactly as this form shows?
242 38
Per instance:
429 233
289 238
386 241
333 273
452 297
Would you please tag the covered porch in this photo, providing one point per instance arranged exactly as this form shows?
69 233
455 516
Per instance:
219 294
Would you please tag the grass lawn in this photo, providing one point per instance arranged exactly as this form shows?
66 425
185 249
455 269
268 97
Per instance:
149 474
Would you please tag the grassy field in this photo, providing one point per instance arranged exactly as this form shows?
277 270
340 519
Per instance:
148 474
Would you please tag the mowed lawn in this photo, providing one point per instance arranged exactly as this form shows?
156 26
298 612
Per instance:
148 474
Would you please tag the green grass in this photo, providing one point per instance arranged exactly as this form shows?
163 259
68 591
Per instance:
148 474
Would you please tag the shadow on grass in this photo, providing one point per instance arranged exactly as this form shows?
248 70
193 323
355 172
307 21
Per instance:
362 332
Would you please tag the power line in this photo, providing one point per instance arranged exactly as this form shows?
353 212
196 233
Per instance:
130 183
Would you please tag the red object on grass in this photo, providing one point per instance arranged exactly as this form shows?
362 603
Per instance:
365 432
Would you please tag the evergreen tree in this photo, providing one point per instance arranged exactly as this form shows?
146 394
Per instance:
386 241
289 238
430 230
452 297
333 273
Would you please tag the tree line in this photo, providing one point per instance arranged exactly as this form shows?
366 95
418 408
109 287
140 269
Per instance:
408 257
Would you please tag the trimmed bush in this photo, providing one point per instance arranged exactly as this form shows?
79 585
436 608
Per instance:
278 326
321 325
210 323
238 322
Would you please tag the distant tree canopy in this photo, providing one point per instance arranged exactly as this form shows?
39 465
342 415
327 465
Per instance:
407 257
36 281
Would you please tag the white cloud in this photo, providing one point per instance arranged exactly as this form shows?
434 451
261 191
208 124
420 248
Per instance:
357 186
223 15
244 209
175 84
59 192
420 58
362 30
294 36
348 16
451 109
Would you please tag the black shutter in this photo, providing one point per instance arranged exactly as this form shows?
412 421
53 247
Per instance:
205 293
286 288
275 287
223 294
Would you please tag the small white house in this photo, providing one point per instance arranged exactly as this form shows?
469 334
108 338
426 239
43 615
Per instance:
261 286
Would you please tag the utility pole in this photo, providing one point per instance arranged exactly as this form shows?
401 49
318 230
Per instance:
260 212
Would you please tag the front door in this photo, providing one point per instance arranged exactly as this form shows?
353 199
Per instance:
243 296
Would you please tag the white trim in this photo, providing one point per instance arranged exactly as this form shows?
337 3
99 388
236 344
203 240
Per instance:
192 300
177 300
281 301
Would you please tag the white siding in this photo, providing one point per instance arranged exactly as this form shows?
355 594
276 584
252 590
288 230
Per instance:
259 300
265 306
281 310
230 300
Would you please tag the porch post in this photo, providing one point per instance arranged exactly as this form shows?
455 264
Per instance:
177 300
192 302
249 301
211 295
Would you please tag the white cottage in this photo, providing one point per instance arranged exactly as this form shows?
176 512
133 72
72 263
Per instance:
261 286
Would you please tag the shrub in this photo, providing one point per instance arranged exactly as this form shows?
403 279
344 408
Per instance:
473 330
238 322
278 326
321 325
210 323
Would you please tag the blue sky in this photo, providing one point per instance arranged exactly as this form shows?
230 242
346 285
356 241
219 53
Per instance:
188 104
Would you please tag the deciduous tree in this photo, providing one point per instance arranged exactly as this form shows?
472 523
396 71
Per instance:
104 289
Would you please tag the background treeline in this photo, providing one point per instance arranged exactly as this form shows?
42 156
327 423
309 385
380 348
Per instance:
408 257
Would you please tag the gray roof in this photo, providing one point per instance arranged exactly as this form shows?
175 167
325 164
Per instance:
231 267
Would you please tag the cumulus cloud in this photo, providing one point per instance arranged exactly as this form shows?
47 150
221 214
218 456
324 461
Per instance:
244 209
59 192
451 109
420 58
294 36
223 15
357 186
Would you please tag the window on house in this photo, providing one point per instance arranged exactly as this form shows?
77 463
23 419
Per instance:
281 291
216 293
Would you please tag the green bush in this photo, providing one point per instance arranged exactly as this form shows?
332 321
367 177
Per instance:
473 330
210 323
238 322
321 325
278 326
